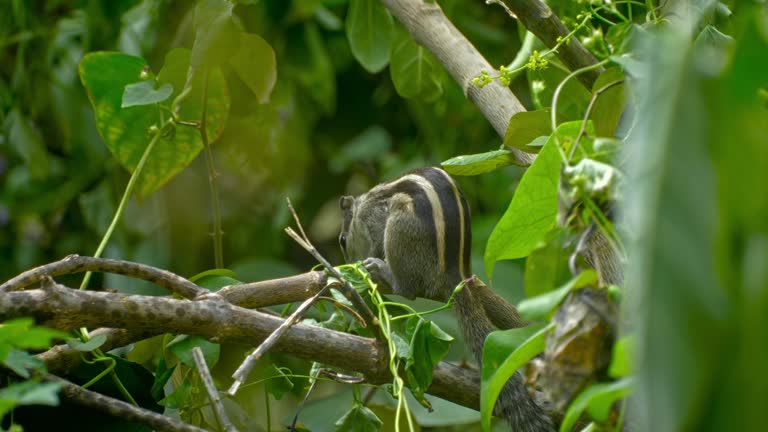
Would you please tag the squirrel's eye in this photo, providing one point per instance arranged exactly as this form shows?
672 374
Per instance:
343 241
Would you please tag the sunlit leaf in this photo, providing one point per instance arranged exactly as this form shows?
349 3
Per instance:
609 105
255 64
526 126
597 400
480 163
540 307
216 36
145 93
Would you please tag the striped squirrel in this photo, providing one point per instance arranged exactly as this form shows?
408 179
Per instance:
414 236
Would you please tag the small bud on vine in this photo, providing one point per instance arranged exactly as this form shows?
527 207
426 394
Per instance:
505 75
146 73
482 80
537 62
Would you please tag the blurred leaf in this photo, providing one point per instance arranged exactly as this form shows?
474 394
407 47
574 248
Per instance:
216 36
597 400
573 99
144 93
180 397
369 31
307 59
138 33
609 105
182 346
623 357
674 266
23 334
358 419
125 130
414 69
90 345
368 146
480 163
504 352
174 71
533 210
27 143
526 126
29 393
540 307
255 64
21 362
547 265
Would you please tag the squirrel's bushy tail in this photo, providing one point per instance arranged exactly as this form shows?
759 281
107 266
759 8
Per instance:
514 405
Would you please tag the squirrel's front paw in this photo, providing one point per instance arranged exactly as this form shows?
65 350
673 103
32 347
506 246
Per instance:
380 273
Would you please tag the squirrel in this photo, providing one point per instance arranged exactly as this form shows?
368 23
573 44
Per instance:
414 236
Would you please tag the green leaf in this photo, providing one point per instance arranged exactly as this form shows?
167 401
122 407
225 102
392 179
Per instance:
597 400
358 419
31 392
162 375
181 396
28 143
609 105
369 31
368 146
215 279
255 64
277 383
144 93
540 307
216 36
125 130
307 59
480 163
90 345
22 333
524 127
623 357
547 265
413 69
533 210
182 346
428 345
20 361
504 352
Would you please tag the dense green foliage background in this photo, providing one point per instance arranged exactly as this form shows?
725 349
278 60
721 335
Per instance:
693 146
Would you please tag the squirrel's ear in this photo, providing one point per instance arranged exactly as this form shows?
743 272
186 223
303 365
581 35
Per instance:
345 202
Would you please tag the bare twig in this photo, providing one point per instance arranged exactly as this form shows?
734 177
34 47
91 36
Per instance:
76 264
119 408
213 394
349 291
241 374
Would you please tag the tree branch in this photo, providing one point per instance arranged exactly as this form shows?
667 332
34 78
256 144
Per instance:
120 409
539 19
429 26
77 264
61 307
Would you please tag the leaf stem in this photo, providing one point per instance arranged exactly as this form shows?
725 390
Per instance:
218 248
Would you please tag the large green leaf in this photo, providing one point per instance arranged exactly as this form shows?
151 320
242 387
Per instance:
598 400
504 352
524 127
540 307
413 69
255 64
533 210
216 36
369 31
125 131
